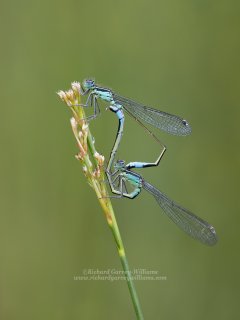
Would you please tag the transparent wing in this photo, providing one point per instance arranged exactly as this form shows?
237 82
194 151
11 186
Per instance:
184 219
167 122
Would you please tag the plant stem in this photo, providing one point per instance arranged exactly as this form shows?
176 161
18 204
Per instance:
95 175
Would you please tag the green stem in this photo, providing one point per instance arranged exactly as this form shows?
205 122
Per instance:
97 182
112 222
127 272
132 289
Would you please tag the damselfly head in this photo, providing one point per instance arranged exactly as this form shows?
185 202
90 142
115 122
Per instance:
88 84
119 164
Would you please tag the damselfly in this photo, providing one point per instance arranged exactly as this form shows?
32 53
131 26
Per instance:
169 123
123 178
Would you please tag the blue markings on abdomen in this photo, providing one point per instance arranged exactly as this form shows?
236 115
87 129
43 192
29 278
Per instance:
118 110
120 114
137 165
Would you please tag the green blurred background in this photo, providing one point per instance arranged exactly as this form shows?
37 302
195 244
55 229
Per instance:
178 56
